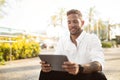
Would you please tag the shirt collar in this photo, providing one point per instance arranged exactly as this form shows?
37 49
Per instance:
81 36
83 33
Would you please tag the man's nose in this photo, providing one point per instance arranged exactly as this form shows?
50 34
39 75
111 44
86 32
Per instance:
72 24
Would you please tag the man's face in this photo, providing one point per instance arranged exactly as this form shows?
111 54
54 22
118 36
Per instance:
74 24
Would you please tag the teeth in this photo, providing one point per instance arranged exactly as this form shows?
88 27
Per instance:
73 29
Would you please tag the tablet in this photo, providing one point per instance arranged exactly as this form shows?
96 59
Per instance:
55 61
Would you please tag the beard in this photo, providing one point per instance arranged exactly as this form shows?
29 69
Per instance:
75 31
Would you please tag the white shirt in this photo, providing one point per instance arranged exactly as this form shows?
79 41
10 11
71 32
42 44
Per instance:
88 49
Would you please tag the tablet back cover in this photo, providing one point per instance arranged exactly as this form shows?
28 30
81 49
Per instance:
55 61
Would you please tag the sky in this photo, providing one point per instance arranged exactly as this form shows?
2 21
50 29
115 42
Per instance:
34 15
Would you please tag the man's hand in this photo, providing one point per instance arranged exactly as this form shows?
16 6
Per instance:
45 67
71 68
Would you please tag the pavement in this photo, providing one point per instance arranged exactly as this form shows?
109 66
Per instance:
29 69
112 63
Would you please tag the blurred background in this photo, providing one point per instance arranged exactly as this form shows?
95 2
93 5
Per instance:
31 27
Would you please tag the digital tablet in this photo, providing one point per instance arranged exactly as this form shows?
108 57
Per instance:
55 61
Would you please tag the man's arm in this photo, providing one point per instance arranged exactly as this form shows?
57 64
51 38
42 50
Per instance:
74 68
91 67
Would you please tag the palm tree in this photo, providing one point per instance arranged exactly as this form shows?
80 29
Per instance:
54 20
90 17
61 15
57 19
2 2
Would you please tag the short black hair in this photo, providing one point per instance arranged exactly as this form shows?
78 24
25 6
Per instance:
74 11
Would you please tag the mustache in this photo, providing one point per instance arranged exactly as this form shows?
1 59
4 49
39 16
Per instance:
73 27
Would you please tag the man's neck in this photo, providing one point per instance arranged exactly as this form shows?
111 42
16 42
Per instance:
74 37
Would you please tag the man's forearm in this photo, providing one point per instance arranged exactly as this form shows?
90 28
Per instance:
92 67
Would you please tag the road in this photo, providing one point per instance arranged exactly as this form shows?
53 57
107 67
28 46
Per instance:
28 69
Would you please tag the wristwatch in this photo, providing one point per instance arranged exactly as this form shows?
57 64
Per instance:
81 68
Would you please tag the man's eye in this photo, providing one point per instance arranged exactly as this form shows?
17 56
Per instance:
68 22
75 21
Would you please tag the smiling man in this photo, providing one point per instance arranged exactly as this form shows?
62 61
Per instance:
84 51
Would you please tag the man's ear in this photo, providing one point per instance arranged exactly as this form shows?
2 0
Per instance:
82 22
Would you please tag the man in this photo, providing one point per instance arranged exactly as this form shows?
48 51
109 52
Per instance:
84 51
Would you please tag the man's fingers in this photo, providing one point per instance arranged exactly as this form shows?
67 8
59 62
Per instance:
42 62
69 66
45 65
68 63
46 68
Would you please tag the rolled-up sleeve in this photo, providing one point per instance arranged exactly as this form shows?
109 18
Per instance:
96 52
